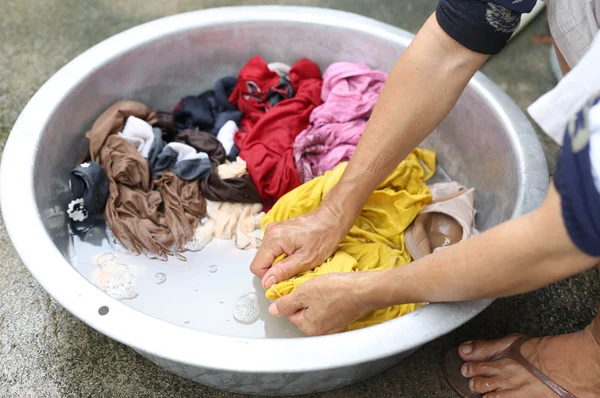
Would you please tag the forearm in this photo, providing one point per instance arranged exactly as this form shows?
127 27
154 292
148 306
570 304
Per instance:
515 257
420 91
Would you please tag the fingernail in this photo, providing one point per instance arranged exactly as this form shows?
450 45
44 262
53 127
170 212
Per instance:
467 347
270 281
472 384
273 309
463 370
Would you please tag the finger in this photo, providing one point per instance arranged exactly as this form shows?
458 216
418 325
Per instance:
286 305
269 250
283 270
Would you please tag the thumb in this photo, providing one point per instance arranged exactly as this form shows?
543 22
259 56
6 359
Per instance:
283 270
286 305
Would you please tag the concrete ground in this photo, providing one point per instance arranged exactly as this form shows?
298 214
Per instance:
46 352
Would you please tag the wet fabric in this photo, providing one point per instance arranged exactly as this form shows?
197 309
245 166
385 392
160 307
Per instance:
267 143
228 221
258 89
112 121
448 219
230 182
349 94
139 133
166 124
234 153
208 111
157 217
157 146
577 178
280 68
228 189
226 134
89 192
376 240
183 160
204 142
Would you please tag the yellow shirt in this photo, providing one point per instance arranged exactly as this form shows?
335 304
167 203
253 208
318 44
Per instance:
376 240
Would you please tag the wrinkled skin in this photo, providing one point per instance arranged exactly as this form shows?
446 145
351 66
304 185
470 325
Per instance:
326 304
307 241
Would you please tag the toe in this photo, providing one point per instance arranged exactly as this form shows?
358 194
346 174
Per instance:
473 369
483 385
502 366
482 350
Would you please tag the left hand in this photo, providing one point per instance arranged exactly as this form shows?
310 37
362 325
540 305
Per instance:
328 303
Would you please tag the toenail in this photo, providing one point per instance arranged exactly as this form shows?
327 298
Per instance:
467 347
463 370
472 385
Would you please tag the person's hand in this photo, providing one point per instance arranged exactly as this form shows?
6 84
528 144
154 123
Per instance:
307 240
328 303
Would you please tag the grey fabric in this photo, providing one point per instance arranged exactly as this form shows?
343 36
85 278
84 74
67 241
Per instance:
186 169
193 169
157 147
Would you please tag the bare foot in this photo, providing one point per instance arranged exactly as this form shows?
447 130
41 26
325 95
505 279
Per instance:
572 361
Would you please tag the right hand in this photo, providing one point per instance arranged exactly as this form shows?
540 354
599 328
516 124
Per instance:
307 241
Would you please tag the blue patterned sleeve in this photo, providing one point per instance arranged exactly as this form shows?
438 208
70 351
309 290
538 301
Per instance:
482 26
577 178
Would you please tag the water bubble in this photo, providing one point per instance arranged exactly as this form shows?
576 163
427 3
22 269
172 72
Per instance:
221 301
246 310
196 289
213 268
187 321
160 278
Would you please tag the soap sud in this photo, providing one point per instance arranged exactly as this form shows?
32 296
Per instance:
213 268
160 278
246 309
114 278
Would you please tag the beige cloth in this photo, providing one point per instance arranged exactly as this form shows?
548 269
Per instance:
229 220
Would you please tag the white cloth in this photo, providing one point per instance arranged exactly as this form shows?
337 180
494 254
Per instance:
186 152
139 133
553 110
225 135
280 68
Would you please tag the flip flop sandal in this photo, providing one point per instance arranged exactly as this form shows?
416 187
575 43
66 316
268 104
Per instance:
449 219
453 363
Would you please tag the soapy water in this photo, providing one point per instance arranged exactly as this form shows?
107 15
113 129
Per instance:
115 279
213 268
246 309
160 278
190 292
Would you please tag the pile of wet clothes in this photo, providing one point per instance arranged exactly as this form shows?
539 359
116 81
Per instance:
261 147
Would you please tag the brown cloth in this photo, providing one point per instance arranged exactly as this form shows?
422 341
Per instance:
166 124
202 141
157 217
241 190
